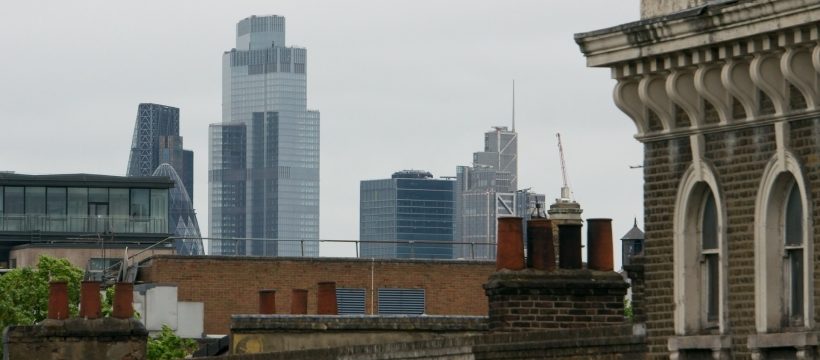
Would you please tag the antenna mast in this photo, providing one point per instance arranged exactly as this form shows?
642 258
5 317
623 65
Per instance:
513 107
566 194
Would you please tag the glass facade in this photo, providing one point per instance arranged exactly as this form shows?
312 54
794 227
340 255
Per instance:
182 220
83 210
407 217
487 191
264 156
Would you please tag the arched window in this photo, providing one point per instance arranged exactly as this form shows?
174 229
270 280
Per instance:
783 262
699 254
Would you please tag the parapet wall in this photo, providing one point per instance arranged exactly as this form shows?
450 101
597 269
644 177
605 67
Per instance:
604 343
77 339
277 333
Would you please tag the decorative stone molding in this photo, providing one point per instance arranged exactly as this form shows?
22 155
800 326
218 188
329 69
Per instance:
719 345
697 70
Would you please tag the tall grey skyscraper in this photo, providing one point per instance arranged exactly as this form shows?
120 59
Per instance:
156 141
409 215
488 190
264 156
157 150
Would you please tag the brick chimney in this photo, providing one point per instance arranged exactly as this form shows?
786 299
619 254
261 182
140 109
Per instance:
569 297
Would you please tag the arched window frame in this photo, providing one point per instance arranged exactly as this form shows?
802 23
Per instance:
688 257
772 294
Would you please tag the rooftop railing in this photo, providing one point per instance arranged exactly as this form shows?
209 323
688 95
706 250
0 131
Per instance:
83 224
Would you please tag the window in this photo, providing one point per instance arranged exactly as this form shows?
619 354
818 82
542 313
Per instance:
783 261
699 249
793 254
710 258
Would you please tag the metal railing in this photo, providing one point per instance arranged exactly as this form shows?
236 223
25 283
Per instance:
402 249
83 224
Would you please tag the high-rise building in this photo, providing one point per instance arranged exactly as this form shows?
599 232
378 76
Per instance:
156 141
182 220
264 156
156 150
410 215
487 191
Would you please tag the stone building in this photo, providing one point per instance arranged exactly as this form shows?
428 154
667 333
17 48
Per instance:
725 96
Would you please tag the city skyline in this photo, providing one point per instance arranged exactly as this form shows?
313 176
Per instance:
385 95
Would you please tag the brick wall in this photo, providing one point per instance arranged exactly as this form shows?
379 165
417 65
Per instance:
529 301
229 285
604 343
739 158
77 339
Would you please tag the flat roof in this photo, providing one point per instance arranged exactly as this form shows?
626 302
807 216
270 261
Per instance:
86 180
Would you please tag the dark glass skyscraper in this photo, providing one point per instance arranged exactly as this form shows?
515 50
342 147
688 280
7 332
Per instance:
407 216
156 141
264 156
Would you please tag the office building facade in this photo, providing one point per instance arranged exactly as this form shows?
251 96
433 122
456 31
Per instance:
264 156
410 215
182 220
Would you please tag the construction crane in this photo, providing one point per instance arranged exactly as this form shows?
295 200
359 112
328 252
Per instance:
566 193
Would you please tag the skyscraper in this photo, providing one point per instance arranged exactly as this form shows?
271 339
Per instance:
156 141
409 215
264 156
486 191
157 150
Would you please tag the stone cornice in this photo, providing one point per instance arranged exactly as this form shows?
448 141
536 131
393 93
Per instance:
699 27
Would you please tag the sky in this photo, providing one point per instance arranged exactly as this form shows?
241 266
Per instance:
404 84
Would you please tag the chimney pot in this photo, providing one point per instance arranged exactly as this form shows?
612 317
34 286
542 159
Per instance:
58 300
540 251
90 302
510 252
569 237
123 300
599 251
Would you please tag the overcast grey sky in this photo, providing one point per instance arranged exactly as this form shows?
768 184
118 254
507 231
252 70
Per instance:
400 85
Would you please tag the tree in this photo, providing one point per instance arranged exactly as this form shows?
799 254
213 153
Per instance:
168 346
24 291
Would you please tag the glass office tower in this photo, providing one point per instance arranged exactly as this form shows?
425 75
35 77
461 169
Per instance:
486 191
409 215
264 156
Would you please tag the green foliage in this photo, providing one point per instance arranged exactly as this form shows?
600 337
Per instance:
168 346
108 302
628 310
24 291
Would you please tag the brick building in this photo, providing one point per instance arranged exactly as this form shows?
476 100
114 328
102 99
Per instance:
229 285
725 97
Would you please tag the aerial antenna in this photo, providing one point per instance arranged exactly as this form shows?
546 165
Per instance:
566 193
513 107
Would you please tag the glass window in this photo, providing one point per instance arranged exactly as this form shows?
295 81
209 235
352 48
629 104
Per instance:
35 200
98 195
140 203
56 201
77 208
1 202
793 239
159 210
118 210
711 263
